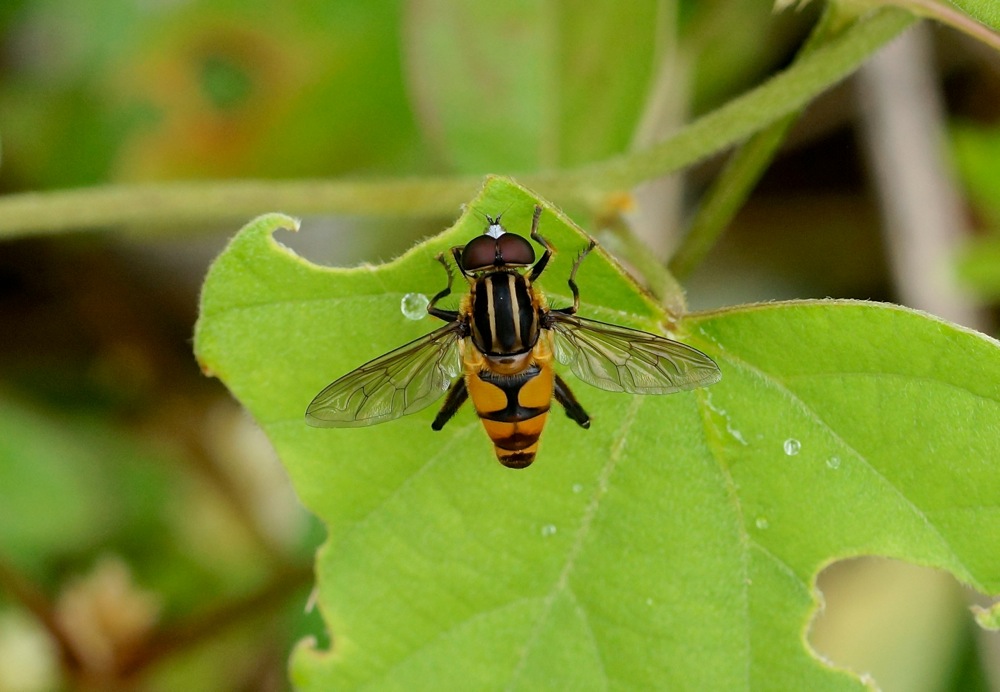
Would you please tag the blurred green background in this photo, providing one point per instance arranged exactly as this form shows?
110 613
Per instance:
148 536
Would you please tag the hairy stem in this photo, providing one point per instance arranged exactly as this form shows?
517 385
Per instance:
178 204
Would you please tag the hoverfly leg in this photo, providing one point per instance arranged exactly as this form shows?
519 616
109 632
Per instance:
539 267
573 408
446 315
572 280
456 254
456 397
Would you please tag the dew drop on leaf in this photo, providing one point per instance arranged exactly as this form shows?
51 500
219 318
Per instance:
414 306
548 530
762 523
833 463
577 488
792 446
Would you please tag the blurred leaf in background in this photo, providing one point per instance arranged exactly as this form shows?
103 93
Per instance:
513 88
976 150
133 91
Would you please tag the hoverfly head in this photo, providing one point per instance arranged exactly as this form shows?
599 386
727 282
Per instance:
496 248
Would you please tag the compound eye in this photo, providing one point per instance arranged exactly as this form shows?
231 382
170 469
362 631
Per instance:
479 253
515 250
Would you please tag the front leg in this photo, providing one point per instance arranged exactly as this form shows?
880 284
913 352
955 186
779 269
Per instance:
446 315
572 280
539 267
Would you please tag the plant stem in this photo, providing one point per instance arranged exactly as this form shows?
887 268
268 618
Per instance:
147 205
22 590
956 19
187 634
783 94
727 194
742 172
177 204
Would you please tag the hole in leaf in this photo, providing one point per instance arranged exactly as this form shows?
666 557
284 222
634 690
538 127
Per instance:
346 241
906 627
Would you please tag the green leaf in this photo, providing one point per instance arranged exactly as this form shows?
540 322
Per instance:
979 266
976 150
986 12
674 544
510 86
38 463
70 484
980 19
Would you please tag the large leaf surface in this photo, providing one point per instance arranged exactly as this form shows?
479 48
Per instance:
672 545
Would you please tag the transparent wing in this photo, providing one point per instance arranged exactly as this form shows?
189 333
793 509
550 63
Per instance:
619 359
399 383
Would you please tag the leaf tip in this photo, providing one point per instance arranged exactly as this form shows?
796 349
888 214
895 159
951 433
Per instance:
273 221
206 369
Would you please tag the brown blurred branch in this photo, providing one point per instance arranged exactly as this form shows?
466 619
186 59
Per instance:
169 640
189 430
955 18
902 119
24 591
196 629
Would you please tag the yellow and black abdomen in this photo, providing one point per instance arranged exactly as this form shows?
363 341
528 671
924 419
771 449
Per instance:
513 407
508 365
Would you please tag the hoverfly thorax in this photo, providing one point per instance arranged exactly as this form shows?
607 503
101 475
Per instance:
504 314
505 335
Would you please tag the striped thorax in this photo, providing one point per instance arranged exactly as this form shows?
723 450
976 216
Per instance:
505 314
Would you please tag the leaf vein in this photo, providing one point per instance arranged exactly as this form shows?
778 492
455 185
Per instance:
745 541
585 522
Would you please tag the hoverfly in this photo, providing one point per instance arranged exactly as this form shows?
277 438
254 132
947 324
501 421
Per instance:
506 336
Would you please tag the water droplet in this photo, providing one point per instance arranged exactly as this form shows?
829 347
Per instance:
792 446
833 462
762 523
721 412
577 488
649 601
414 306
548 530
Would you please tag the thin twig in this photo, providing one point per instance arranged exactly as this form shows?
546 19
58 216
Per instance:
201 460
744 169
22 590
197 629
956 19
